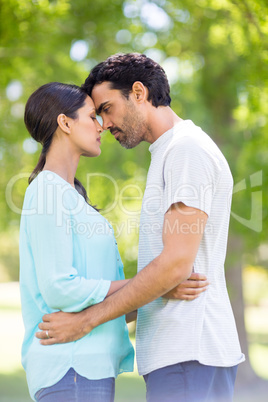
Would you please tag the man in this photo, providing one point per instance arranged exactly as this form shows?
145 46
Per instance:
187 351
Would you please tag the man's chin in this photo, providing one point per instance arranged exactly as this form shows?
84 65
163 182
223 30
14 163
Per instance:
126 145
123 144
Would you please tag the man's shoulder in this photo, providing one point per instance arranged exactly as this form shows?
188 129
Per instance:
191 141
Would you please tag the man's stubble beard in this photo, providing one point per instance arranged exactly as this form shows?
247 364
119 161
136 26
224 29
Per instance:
134 129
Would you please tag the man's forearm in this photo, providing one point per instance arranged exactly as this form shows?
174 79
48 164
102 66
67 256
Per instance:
156 279
169 269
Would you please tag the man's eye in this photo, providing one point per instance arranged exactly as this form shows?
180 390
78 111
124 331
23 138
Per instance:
106 109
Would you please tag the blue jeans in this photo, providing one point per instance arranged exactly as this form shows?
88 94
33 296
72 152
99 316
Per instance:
75 388
191 382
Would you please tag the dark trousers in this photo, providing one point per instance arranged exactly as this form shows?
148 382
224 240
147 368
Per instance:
75 388
191 382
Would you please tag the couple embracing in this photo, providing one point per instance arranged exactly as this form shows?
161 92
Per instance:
75 300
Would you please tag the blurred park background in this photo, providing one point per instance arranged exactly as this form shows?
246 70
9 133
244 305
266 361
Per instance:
215 54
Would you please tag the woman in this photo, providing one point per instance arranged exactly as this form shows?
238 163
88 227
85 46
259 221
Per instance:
68 255
61 265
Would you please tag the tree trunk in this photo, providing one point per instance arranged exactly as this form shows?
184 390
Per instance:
245 374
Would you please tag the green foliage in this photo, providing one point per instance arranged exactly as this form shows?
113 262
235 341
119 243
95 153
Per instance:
216 54
255 281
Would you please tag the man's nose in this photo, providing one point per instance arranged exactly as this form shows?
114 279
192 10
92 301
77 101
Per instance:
107 124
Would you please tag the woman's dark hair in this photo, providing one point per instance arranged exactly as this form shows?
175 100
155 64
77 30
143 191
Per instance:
40 118
122 70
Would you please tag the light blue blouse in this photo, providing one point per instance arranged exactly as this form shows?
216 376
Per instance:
68 258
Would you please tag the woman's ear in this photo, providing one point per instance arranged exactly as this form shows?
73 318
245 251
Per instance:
64 123
140 92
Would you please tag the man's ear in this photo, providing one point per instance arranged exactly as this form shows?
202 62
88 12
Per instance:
64 123
140 92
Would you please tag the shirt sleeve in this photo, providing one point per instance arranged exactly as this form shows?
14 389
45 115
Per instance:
190 174
51 243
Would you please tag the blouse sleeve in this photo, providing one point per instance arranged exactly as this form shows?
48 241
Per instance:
51 243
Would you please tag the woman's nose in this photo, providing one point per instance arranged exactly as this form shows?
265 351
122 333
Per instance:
99 127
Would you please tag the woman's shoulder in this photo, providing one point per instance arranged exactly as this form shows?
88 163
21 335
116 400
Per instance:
49 188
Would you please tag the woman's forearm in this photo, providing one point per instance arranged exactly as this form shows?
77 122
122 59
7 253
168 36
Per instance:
131 316
116 285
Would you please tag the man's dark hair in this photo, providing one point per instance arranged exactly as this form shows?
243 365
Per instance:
122 70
